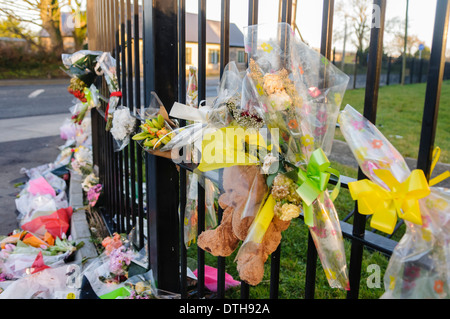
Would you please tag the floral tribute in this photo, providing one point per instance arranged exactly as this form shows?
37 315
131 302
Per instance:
418 266
281 115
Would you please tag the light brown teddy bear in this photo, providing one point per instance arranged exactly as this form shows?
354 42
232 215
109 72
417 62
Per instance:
244 190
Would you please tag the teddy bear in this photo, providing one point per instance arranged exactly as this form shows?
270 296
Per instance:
245 189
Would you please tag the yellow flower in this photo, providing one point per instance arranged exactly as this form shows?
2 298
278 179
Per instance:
289 211
260 89
361 153
337 98
426 234
307 140
391 282
330 274
266 47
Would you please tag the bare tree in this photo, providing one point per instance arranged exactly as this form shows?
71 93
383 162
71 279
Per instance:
395 40
46 14
353 22
41 13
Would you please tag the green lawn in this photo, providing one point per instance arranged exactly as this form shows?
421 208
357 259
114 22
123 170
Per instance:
399 116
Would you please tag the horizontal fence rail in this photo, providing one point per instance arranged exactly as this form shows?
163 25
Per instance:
146 194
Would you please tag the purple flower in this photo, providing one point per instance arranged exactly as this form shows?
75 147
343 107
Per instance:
119 260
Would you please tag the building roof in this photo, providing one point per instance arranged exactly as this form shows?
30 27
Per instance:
212 29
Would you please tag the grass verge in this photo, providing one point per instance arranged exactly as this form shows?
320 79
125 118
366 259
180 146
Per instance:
399 116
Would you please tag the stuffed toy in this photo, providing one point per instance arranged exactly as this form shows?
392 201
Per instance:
244 192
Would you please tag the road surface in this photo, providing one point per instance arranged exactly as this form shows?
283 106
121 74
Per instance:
31 113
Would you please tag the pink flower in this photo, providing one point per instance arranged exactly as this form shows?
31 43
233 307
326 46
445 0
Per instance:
358 125
319 131
119 261
322 116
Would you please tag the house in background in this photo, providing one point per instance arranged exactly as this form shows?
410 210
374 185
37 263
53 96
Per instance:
237 52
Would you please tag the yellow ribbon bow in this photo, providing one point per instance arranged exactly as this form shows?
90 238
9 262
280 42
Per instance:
441 177
385 204
226 147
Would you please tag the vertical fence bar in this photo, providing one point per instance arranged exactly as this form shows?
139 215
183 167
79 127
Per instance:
388 70
433 90
162 180
325 50
370 112
183 180
252 20
201 97
224 59
139 152
130 176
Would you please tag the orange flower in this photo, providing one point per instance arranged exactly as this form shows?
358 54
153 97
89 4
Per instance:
439 286
377 143
111 243
293 124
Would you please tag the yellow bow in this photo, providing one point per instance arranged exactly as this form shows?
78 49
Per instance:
441 177
385 204
226 147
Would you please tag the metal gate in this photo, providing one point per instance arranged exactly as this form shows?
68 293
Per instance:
147 192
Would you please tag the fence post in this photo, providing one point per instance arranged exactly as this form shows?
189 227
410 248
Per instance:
162 182
433 90
388 70
370 110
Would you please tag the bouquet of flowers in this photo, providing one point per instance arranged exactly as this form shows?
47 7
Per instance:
157 128
92 188
106 66
119 257
298 94
123 125
82 161
419 265
80 66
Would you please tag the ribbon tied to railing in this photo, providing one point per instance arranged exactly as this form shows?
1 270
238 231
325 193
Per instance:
400 199
116 94
313 182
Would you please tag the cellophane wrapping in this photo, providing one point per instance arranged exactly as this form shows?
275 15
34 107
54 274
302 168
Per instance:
298 95
419 265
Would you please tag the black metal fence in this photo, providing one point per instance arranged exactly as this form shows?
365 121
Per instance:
148 193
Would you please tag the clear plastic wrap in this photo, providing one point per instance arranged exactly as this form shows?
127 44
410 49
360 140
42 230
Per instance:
156 129
123 124
419 265
298 93
106 66
80 66
50 283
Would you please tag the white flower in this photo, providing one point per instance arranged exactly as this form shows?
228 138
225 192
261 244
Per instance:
83 156
122 124
90 181
269 160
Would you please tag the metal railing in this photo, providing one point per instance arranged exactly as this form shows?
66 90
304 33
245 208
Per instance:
148 193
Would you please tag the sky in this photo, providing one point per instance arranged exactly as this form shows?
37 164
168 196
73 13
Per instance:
309 16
